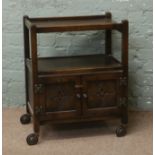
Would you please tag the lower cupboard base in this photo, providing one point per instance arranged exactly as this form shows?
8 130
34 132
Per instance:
33 138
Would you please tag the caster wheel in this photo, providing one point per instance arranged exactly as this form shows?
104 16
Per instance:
32 139
120 131
25 119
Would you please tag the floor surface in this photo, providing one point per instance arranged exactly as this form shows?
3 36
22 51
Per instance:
93 138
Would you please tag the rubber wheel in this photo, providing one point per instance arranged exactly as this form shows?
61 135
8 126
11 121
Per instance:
120 131
25 119
32 139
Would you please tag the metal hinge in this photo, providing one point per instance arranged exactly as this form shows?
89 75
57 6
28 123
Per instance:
122 102
123 81
38 110
38 88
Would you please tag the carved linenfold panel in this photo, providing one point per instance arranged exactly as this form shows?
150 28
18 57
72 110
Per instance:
104 89
101 94
60 97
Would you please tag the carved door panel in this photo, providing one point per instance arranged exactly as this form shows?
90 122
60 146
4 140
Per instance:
100 94
62 98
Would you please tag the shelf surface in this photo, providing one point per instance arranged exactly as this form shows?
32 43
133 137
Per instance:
71 23
58 65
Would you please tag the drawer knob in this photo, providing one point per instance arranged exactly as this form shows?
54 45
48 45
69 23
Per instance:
85 95
78 95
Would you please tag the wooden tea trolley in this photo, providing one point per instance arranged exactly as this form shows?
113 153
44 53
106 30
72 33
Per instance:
75 88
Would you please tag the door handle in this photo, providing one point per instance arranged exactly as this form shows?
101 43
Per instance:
85 95
78 86
78 95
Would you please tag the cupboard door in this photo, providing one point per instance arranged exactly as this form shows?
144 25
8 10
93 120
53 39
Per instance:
100 94
62 98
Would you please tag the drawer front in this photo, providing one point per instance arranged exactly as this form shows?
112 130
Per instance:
100 93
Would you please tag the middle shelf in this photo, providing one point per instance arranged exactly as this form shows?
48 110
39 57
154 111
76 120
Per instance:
58 65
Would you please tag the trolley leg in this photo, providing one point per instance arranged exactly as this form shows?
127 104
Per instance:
33 138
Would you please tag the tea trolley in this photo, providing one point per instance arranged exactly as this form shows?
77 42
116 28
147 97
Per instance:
75 88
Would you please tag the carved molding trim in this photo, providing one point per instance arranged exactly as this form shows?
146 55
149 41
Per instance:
123 81
38 88
122 102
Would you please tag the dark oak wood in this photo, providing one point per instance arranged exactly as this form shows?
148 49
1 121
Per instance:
106 113
75 88
79 23
26 56
108 39
125 30
75 63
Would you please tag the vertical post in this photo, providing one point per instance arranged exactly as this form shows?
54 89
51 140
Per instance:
125 69
125 46
108 38
33 38
26 55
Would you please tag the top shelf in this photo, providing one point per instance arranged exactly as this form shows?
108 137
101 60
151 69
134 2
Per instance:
77 23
